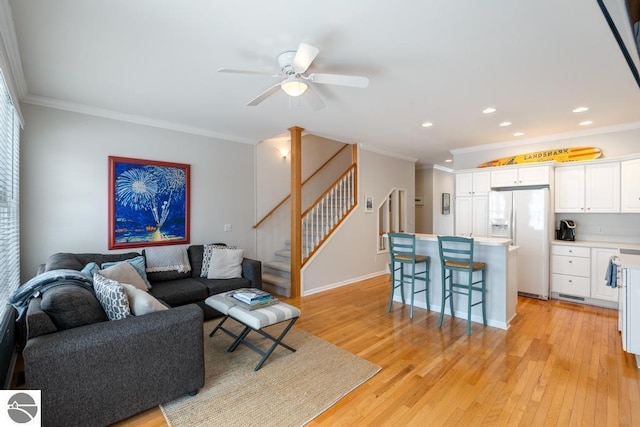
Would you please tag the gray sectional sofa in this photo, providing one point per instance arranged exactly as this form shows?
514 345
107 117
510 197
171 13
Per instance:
93 371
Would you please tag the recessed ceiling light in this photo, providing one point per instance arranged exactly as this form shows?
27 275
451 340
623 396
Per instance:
448 161
427 124
489 110
586 123
580 109
518 134
503 124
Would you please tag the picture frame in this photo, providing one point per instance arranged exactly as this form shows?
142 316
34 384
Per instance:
446 203
368 204
149 203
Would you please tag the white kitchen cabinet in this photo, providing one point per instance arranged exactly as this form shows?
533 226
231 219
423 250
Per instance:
593 188
472 216
472 203
599 264
473 183
521 176
630 186
570 270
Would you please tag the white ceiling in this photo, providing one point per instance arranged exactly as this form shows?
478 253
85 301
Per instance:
441 61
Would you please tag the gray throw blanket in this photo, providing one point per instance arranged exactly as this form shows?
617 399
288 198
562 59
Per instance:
34 287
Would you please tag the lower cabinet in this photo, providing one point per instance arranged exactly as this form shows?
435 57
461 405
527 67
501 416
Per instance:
580 271
599 263
570 270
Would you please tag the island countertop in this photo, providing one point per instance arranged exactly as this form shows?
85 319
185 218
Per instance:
491 241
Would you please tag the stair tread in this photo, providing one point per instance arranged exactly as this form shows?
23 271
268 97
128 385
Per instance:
285 253
279 265
276 280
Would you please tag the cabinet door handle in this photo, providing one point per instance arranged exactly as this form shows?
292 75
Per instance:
570 262
570 281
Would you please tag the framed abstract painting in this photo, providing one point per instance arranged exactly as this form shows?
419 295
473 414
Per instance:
148 203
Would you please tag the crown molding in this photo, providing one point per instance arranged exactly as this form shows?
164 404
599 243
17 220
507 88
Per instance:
443 169
131 118
547 138
387 153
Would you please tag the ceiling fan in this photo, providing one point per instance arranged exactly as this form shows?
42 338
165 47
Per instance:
294 82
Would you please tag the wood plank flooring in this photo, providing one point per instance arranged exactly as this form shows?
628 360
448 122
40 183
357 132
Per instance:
560 364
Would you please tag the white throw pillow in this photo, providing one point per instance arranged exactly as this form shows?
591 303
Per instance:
124 273
225 264
141 302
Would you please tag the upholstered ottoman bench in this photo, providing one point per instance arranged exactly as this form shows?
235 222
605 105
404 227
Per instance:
253 320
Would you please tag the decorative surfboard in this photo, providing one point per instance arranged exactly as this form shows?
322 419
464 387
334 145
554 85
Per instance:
559 155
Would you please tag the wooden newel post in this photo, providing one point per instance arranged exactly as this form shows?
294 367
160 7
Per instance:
296 208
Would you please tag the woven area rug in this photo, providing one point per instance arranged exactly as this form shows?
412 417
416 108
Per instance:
289 390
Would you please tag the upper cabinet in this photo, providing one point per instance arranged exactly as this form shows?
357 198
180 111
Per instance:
471 202
630 186
473 184
593 188
522 176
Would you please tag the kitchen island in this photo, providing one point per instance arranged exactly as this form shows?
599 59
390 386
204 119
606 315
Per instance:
501 277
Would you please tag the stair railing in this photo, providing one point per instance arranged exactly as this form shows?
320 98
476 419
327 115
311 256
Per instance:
283 201
328 211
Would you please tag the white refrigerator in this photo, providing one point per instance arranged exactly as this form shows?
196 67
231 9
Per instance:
524 217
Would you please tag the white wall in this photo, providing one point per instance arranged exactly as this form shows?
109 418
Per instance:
432 182
443 182
352 254
64 172
613 142
424 188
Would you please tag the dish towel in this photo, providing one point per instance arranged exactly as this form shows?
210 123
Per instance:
611 276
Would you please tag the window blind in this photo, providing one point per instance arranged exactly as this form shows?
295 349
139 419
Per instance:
9 197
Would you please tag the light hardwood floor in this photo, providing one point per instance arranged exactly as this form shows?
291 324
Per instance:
560 364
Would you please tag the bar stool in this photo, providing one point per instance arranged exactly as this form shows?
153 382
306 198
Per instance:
402 249
456 254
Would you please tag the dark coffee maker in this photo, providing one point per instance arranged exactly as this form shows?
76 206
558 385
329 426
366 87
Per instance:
567 230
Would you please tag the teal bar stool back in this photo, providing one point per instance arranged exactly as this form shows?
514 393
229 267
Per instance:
456 255
402 249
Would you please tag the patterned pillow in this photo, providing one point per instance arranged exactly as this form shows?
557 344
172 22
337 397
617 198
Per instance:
112 297
206 256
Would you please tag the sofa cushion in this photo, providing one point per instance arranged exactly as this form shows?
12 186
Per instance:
112 297
179 292
138 263
70 306
123 272
216 286
225 264
141 302
73 261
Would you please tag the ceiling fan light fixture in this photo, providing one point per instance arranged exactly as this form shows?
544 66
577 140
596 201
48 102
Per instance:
294 86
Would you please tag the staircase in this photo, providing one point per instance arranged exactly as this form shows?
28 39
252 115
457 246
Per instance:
317 223
276 274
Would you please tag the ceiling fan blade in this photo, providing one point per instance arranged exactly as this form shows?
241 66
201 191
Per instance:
264 95
230 70
339 79
314 100
304 57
